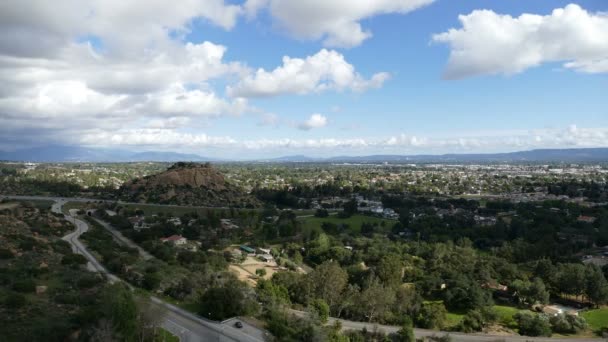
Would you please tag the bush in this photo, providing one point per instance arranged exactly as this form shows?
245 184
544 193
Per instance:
321 213
24 285
15 300
320 307
6 254
73 260
567 324
432 316
533 324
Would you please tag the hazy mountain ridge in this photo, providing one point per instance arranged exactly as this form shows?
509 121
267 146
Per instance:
82 154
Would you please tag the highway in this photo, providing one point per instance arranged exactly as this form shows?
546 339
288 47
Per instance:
187 326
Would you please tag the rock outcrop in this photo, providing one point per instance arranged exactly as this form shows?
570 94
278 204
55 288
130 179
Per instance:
187 184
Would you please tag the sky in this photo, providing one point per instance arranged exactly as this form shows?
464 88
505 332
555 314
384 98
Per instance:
268 78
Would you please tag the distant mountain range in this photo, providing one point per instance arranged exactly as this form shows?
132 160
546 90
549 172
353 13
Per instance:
82 154
574 155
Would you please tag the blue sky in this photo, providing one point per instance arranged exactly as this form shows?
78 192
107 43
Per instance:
365 77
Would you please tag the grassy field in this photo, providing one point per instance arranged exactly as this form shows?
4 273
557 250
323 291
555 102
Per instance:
452 319
354 222
596 319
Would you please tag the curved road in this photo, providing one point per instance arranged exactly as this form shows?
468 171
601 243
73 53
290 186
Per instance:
187 326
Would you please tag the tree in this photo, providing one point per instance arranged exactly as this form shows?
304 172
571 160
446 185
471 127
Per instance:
532 324
151 280
476 320
321 309
406 333
350 208
596 287
272 294
530 292
375 299
220 303
390 270
432 316
150 318
464 294
118 305
260 272
567 324
326 282
321 213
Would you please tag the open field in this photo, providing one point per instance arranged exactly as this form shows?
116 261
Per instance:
597 318
354 222
246 270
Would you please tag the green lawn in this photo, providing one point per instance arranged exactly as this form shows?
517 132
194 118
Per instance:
505 315
596 319
452 319
354 222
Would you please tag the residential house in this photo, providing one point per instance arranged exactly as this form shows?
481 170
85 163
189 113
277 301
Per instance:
586 219
176 221
265 257
176 240
227 224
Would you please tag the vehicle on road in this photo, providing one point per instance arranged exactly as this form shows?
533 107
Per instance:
238 324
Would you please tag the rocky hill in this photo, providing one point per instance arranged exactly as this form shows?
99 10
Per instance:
187 184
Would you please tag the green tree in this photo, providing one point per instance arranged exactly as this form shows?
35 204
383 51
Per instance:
406 333
390 270
321 310
375 300
532 324
119 306
432 316
326 282
596 287
260 272
220 303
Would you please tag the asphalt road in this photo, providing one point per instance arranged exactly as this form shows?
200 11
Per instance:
125 241
187 326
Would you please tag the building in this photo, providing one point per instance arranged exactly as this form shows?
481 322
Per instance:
138 223
263 250
227 224
176 240
485 221
266 257
248 250
175 221
586 219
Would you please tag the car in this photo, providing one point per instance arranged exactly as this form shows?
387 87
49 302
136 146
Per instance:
238 324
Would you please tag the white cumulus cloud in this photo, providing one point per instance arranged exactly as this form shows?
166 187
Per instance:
315 121
336 22
325 70
491 43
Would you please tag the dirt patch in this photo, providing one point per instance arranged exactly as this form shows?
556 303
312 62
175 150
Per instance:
10 205
246 270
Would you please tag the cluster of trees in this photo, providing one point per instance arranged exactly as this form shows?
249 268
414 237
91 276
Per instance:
391 281
47 294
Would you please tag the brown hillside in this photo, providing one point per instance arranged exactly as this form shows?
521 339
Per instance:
186 184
